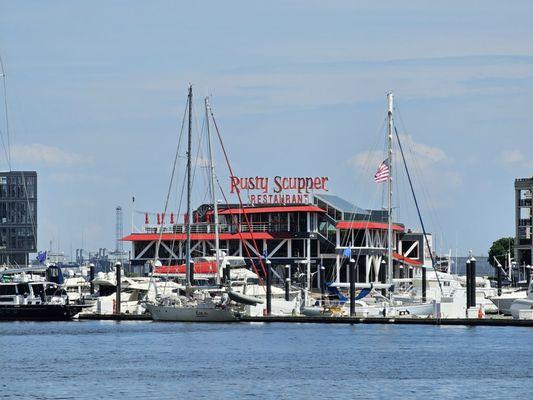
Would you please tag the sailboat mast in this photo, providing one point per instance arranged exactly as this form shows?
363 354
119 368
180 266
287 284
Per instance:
188 269
390 100
213 191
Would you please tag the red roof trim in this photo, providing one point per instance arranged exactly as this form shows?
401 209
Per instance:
142 237
259 210
407 260
367 225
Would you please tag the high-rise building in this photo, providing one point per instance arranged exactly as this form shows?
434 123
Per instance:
524 221
18 216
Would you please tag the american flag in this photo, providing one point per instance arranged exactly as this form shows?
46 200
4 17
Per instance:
382 174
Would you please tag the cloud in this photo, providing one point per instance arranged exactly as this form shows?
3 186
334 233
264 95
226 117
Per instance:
201 162
366 158
431 169
512 156
74 177
424 154
515 157
41 154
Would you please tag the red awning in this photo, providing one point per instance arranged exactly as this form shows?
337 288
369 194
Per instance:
143 237
407 260
367 225
206 267
283 209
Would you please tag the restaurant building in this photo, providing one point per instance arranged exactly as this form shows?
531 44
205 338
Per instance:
325 230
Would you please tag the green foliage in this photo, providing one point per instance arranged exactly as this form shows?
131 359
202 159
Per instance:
499 249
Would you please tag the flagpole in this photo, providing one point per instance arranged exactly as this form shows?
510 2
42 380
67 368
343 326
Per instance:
390 100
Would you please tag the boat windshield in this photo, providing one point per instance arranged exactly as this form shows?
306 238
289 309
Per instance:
38 289
23 288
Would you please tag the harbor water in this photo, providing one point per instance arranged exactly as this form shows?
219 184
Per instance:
107 359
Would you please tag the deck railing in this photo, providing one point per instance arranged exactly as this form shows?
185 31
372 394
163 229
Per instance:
223 228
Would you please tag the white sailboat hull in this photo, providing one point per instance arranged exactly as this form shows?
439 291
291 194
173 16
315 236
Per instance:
363 310
190 314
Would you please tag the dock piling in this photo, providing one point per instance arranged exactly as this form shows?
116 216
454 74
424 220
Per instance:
322 282
118 268
424 284
351 273
287 282
383 276
268 287
91 277
499 279
471 282
227 274
468 276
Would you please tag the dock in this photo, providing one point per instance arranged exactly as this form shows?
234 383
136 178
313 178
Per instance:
115 317
495 321
491 321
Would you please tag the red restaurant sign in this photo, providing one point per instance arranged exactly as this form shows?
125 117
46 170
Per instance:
299 188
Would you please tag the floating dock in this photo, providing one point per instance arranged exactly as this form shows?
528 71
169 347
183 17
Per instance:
492 321
116 317
495 321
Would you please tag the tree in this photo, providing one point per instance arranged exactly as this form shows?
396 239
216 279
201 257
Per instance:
499 250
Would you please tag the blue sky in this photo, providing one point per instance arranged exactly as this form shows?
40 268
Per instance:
96 91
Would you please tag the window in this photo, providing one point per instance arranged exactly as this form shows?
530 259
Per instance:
8 290
3 213
37 289
23 288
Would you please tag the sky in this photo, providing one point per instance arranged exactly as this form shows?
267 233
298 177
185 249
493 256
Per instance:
96 93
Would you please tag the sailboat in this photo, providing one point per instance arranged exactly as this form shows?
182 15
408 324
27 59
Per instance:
370 302
198 305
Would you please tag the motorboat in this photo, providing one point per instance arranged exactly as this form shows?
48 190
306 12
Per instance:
484 292
504 301
523 308
22 299
134 292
